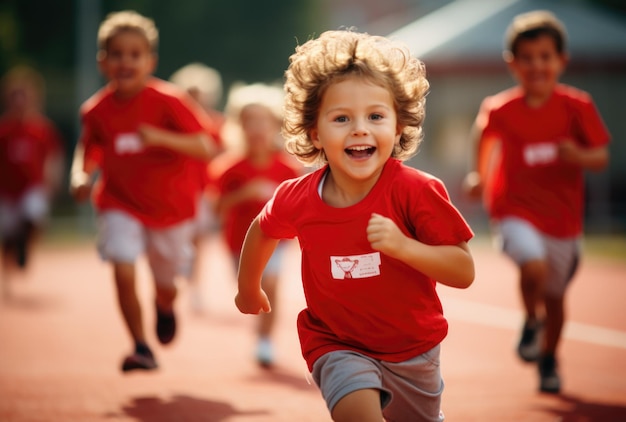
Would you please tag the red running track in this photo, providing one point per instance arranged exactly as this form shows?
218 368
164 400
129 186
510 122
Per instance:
62 341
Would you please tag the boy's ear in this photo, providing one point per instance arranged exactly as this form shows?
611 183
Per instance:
399 131
100 56
509 59
507 56
313 135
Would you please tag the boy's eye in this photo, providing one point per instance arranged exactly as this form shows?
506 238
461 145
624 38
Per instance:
376 116
341 119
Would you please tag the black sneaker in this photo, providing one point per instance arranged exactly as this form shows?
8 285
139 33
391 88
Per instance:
166 326
529 344
142 359
549 380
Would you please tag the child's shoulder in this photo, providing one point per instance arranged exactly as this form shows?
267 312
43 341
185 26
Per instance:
572 94
96 99
409 176
503 98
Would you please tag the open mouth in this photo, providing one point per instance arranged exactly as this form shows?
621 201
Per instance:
360 151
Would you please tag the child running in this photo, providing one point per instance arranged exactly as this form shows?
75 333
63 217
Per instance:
534 142
376 235
254 118
146 137
204 84
31 167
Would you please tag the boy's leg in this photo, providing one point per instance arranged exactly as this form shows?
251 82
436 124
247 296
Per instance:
533 276
351 385
359 406
525 246
270 282
170 253
128 300
121 241
563 259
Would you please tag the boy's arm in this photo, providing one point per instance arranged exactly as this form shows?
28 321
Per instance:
81 174
451 265
594 159
257 250
198 145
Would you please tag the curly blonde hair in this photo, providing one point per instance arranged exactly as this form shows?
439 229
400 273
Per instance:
336 56
127 20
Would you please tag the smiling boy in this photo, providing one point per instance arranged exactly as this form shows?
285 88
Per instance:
533 143
147 138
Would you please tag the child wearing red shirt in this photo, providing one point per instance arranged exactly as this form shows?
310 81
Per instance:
376 235
248 179
146 137
533 143
31 162
204 84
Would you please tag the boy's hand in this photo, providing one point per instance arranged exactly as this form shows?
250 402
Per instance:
150 135
569 152
80 186
473 185
253 303
384 235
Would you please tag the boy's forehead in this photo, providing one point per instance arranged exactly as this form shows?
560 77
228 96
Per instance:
123 35
543 40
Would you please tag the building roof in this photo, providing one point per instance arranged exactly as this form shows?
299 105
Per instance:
470 33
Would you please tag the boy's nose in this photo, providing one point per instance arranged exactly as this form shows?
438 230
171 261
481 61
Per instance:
360 128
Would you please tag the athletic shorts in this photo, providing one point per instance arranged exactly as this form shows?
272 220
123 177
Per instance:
32 206
206 221
522 242
122 238
410 391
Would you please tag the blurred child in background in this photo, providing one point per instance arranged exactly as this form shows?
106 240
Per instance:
31 166
533 143
246 179
204 84
147 138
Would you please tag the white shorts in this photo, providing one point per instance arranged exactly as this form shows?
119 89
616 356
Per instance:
522 242
409 390
206 221
32 206
170 251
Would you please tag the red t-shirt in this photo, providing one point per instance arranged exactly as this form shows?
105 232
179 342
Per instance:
156 185
25 146
529 181
357 298
238 219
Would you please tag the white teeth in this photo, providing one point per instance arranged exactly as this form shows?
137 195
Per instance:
360 148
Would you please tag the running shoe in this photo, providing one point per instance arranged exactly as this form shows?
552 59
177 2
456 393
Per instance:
265 352
166 326
530 341
141 359
549 380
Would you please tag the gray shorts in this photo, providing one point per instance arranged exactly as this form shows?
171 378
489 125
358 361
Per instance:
410 391
522 242
122 238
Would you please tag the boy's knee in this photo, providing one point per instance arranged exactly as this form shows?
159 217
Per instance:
534 272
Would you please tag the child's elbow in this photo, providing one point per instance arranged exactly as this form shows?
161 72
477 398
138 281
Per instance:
466 277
